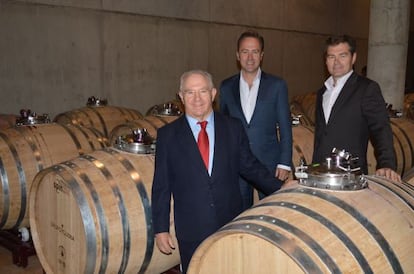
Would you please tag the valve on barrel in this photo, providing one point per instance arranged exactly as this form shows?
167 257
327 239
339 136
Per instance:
27 117
24 234
393 113
296 119
166 109
140 141
96 102
338 172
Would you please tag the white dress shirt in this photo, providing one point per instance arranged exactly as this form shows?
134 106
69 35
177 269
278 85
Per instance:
248 96
332 92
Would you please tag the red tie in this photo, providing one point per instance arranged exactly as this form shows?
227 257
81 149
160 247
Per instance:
203 143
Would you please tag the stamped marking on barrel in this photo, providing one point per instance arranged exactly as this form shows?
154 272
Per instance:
62 230
60 186
62 257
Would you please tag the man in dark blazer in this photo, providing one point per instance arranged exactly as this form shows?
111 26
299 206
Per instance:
204 198
260 101
350 110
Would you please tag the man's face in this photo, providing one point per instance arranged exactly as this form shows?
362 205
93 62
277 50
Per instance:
339 60
250 54
197 97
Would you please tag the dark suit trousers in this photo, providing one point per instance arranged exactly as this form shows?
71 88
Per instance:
186 252
246 191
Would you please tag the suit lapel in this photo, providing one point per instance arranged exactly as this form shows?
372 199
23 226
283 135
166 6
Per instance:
236 95
260 94
348 89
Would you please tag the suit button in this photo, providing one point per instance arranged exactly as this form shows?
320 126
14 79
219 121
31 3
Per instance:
212 205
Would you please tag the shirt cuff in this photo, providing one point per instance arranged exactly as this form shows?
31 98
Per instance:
283 167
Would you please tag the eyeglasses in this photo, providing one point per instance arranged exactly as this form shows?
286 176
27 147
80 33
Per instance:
192 93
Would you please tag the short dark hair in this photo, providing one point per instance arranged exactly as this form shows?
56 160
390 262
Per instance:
252 34
336 40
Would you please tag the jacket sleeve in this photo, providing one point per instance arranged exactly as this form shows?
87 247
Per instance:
161 193
379 127
285 125
252 169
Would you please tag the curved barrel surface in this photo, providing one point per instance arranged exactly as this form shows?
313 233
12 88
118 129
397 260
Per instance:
308 230
92 214
25 150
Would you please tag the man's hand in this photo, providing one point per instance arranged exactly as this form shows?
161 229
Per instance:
282 174
389 174
289 183
164 242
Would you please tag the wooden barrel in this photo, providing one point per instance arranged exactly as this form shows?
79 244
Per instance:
297 113
151 122
302 144
408 110
307 103
302 149
25 150
102 118
409 176
170 108
7 120
403 132
309 230
92 214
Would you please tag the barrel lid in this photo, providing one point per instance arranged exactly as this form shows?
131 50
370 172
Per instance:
338 172
166 109
296 119
139 142
96 102
27 117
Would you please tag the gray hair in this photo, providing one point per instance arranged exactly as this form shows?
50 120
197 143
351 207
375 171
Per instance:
203 73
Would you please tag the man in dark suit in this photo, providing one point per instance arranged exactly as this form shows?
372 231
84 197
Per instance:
260 101
205 191
350 110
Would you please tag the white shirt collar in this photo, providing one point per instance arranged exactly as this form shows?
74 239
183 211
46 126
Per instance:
329 83
256 78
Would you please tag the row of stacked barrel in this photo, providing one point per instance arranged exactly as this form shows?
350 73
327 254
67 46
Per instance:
303 107
78 186
91 203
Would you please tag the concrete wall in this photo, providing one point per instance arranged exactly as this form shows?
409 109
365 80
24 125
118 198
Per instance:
56 54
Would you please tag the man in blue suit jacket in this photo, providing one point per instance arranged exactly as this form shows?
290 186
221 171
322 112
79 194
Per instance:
260 101
204 198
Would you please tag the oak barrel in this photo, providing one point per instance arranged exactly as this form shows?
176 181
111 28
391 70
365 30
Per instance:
298 113
7 120
408 110
308 230
103 118
409 176
403 132
25 150
302 142
307 103
151 122
92 214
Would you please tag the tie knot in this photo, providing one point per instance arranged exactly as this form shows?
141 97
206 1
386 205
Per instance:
203 124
